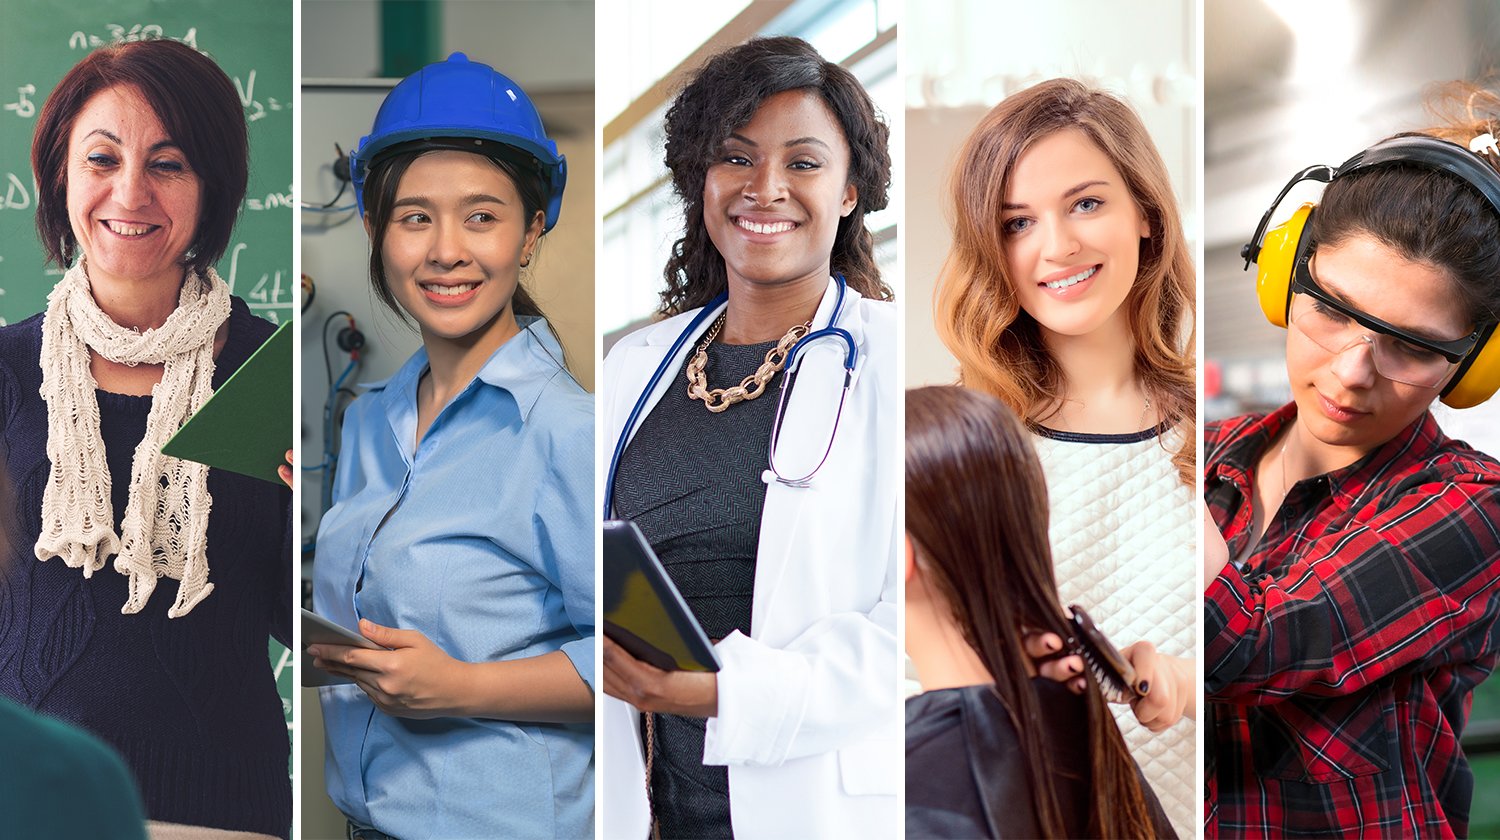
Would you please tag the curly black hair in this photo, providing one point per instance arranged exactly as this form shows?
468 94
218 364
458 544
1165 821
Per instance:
722 97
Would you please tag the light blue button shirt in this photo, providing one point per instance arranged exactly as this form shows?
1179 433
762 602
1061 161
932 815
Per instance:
487 547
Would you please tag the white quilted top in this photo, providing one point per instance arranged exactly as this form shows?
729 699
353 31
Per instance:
1124 541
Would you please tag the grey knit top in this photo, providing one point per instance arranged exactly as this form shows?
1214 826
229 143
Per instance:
691 481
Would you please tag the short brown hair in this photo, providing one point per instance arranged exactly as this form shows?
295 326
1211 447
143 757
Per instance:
198 106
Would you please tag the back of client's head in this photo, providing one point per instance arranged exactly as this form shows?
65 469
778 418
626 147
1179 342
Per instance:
976 511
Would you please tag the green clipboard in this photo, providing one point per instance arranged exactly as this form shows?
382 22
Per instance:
246 426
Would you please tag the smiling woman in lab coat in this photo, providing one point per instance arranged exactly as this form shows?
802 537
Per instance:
777 156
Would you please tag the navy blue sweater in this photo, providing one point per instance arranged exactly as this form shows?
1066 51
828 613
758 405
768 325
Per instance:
191 702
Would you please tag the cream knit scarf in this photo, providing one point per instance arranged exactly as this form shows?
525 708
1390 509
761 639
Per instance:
166 516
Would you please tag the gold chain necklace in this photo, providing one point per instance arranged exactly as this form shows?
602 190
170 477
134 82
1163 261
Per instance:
718 399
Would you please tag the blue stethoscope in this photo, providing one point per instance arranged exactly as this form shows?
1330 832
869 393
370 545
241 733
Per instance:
793 361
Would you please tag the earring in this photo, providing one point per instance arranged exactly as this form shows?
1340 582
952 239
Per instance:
526 262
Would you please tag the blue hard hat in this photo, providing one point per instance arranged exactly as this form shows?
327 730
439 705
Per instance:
460 99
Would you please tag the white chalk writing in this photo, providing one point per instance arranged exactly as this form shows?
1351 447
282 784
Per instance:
270 296
17 197
119 34
23 106
271 201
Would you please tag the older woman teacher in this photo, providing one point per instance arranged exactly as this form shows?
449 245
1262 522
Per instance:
141 156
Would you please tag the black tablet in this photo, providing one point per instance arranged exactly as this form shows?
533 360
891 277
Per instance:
643 612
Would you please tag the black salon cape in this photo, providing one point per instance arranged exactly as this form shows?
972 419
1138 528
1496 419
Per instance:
966 777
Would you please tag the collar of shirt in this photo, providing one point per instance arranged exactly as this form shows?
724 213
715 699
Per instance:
1232 449
521 367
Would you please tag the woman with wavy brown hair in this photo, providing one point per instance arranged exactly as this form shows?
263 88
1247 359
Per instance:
995 320
1069 294
1041 761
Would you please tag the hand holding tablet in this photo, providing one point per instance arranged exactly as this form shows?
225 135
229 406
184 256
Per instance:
317 630
643 612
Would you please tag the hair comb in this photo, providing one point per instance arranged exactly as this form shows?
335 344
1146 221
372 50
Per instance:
1111 670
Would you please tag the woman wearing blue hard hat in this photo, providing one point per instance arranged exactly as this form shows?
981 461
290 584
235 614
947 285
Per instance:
461 539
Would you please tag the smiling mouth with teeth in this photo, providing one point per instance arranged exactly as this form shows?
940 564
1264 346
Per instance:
771 227
1072 281
450 291
126 229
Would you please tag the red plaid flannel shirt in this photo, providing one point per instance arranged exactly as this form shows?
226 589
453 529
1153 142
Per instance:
1340 659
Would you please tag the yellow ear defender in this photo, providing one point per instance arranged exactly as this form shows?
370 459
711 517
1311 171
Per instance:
1279 250
1478 375
1276 250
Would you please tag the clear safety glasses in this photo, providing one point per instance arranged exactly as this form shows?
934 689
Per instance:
1399 355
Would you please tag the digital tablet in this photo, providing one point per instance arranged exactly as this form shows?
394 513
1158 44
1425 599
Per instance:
317 630
643 612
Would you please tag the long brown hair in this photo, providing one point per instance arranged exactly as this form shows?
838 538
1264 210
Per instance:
723 96
999 347
976 504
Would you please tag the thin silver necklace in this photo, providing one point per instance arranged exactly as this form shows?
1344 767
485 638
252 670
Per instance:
1068 427
1286 486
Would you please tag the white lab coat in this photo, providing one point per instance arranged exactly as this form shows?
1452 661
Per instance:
810 722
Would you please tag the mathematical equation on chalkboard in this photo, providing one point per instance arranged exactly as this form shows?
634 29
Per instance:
23 106
255 109
119 34
17 193
269 296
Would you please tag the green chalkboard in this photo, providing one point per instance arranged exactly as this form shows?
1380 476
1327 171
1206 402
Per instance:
41 39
